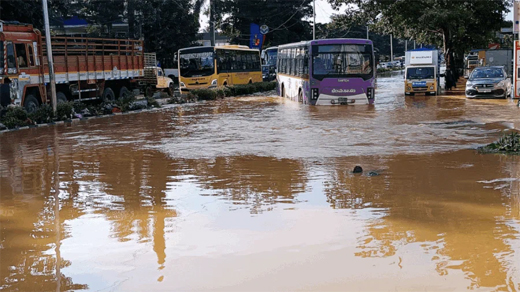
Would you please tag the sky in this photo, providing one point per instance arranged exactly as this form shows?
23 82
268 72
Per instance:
323 13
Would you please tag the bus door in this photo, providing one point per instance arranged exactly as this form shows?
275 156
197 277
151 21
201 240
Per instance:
224 67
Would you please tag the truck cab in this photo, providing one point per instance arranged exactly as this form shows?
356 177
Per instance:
422 72
158 80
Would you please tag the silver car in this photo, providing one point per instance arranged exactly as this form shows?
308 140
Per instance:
488 82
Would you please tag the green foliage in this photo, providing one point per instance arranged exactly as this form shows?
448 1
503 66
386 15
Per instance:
509 143
204 94
14 117
64 111
126 103
227 91
152 103
289 21
455 25
44 114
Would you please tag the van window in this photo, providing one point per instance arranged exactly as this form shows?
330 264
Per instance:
21 55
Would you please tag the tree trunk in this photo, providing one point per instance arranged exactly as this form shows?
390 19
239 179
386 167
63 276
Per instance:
131 18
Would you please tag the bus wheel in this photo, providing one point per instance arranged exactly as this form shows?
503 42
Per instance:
61 97
108 94
124 92
31 103
300 96
171 90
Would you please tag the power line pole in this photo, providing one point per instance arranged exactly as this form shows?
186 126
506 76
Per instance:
212 22
314 23
52 78
367 33
405 45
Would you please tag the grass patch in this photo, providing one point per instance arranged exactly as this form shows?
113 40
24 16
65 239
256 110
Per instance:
507 144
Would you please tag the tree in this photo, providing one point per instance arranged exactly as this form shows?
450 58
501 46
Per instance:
453 24
287 19
31 11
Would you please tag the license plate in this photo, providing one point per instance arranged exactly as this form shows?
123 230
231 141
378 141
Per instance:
342 99
484 90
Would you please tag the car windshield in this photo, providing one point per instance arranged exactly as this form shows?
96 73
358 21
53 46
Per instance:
420 73
197 64
342 60
480 73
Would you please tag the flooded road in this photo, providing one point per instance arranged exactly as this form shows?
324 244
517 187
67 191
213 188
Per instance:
257 194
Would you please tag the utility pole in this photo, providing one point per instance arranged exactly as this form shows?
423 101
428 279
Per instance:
414 45
367 33
391 49
405 45
212 22
314 22
52 78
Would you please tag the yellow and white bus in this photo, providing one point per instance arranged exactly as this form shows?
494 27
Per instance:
208 67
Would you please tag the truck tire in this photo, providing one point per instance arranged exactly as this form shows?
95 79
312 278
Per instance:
171 90
124 92
61 97
31 103
149 91
108 94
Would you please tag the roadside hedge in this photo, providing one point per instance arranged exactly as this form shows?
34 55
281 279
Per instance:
15 116
228 91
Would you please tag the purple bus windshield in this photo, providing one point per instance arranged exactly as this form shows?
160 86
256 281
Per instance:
342 60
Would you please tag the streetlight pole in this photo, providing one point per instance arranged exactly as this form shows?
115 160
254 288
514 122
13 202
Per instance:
314 22
52 78
391 49
367 33
212 23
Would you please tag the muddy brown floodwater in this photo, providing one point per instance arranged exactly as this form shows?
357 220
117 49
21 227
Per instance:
257 194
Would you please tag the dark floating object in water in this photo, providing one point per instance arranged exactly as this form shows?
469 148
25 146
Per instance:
358 169
373 173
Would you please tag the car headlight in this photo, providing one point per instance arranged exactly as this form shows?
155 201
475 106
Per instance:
183 85
501 83
469 84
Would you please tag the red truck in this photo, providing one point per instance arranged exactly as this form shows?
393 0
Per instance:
85 68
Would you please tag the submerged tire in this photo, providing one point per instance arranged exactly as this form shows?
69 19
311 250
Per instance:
31 103
61 97
108 94
124 92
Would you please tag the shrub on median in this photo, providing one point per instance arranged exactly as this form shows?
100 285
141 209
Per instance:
228 91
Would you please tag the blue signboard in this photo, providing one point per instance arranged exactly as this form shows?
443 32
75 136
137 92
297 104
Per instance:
256 39
419 84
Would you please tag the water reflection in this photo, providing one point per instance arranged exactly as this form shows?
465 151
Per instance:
460 224
258 192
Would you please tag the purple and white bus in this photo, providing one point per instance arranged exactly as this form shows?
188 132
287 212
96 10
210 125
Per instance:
327 72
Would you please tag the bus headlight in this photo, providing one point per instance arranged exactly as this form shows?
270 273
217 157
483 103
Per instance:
315 93
431 87
182 84
214 82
